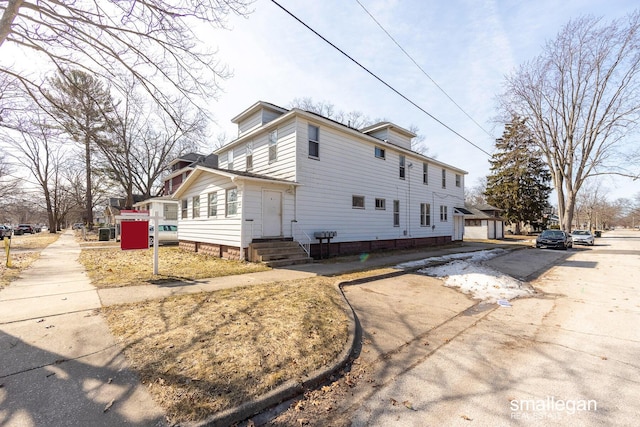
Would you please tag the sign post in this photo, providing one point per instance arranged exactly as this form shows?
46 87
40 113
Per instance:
134 226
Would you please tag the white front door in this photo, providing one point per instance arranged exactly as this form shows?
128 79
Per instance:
271 213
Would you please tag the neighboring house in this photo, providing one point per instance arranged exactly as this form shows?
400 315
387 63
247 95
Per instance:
165 207
483 222
181 167
291 174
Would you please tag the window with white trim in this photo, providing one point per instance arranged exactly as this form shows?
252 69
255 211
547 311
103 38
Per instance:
380 204
185 209
170 211
458 180
230 160
444 178
379 152
443 213
402 166
396 213
425 173
249 155
273 146
232 202
314 141
357 202
212 208
195 207
425 214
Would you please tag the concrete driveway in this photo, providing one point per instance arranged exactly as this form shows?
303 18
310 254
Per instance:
565 357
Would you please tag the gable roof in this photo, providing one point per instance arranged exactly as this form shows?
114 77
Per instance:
231 174
288 114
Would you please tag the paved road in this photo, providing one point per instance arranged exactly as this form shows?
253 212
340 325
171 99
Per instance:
566 357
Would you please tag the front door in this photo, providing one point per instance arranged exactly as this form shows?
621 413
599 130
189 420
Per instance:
271 213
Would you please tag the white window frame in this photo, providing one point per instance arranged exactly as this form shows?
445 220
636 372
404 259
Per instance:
231 201
184 209
379 152
314 142
195 206
249 156
357 202
444 178
444 213
273 146
396 213
458 180
212 204
230 160
402 170
425 173
425 215
381 204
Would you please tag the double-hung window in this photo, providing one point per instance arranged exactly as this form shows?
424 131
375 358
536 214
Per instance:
314 142
185 209
458 180
212 209
380 204
396 213
230 160
273 146
402 166
443 213
249 155
425 173
444 178
425 214
196 207
232 201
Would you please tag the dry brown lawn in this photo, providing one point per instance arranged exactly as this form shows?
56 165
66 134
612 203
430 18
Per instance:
24 250
203 353
113 267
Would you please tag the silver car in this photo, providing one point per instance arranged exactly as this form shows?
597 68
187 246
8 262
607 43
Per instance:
582 237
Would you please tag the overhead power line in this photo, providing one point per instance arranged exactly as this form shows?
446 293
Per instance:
421 69
379 78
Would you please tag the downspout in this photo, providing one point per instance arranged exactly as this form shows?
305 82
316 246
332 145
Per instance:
240 187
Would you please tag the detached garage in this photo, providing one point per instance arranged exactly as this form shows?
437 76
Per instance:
484 222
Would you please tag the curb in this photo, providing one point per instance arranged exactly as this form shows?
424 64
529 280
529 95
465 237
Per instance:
291 388
297 387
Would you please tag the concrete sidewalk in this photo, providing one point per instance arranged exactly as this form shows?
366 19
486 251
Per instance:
334 267
60 365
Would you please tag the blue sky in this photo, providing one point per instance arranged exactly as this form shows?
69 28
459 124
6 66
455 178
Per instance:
466 46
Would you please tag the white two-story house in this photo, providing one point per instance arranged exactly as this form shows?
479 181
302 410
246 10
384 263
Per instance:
291 174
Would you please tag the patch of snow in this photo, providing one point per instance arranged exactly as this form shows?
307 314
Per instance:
466 272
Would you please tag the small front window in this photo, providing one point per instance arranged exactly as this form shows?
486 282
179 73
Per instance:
443 214
458 180
379 152
402 167
380 204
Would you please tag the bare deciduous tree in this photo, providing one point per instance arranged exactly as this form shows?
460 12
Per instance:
581 98
154 42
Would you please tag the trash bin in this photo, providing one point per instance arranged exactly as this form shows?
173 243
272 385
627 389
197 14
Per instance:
104 234
597 233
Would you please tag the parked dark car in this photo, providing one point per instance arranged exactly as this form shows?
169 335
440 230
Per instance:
25 228
5 231
554 239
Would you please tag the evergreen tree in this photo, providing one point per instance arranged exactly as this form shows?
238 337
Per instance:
519 180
